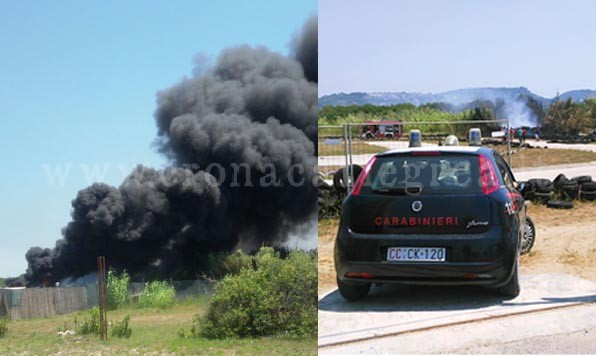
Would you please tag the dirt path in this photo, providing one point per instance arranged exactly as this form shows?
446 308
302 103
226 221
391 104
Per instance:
566 243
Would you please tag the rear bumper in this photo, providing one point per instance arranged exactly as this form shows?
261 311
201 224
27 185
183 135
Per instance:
485 259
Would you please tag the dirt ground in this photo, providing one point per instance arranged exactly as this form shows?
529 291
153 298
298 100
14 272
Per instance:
565 243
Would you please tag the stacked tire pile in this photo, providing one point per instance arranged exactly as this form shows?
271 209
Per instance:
332 196
562 191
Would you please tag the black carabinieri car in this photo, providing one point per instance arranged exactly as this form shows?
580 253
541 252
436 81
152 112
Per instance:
431 216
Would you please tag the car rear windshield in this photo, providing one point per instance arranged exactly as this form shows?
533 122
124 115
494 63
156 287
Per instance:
440 174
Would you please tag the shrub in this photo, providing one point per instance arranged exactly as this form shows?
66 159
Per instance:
118 292
157 295
90 323
222 264
121 328
278 297
3 327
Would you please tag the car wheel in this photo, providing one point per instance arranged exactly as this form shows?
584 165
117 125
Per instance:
528 237
352 292
511 289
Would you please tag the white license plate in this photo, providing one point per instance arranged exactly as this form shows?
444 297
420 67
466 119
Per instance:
424 254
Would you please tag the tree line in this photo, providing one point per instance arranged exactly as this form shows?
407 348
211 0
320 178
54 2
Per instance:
557 117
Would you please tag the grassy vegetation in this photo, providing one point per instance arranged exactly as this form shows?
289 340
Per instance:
357 147
153 331
276 297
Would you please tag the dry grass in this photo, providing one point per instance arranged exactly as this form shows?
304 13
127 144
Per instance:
357 148
327 232
154 332
540 157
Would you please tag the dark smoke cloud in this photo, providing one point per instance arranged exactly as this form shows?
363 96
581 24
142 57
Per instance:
306 49
254 115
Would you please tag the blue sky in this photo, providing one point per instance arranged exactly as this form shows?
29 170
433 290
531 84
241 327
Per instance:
77 89
435 45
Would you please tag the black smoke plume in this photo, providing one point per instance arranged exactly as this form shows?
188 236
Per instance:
241 139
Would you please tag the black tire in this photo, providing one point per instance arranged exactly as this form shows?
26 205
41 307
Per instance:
589 196
322 185
559 204
529 236
570 190
368 136
352 292
339 182
542 185
560 181
511 289
589 187
582 179
540 197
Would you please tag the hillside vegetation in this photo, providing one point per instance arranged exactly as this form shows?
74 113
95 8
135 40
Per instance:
561 117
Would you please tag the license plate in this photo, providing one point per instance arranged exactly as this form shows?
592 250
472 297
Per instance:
424 254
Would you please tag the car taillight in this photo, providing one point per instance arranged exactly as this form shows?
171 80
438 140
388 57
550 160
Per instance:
488 175
514 199
362 177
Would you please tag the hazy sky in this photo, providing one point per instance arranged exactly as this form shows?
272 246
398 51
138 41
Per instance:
77 88
436 45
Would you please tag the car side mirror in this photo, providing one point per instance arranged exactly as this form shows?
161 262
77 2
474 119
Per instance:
526 190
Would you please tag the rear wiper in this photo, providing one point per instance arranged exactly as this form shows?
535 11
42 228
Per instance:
398 190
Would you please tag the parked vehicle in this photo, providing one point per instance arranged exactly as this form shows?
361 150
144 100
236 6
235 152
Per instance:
381 130
432 216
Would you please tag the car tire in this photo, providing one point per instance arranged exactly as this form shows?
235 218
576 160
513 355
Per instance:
570 190
589 196
511 289
560 181
589 187
582 179
559 204
540 197
352 292
528 237
338 178
542 185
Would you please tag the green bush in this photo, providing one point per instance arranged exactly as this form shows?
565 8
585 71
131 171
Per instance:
90 323
221 264
157 295
279 297
3 327
121 328
118 292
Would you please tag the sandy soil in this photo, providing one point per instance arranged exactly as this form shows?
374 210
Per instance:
565 243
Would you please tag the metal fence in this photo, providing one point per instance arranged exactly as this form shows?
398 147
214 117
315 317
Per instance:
27 303
184 288
30 303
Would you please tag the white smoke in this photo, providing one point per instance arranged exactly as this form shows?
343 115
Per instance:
519 113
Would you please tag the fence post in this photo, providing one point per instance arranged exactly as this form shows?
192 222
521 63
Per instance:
103 293
347 154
